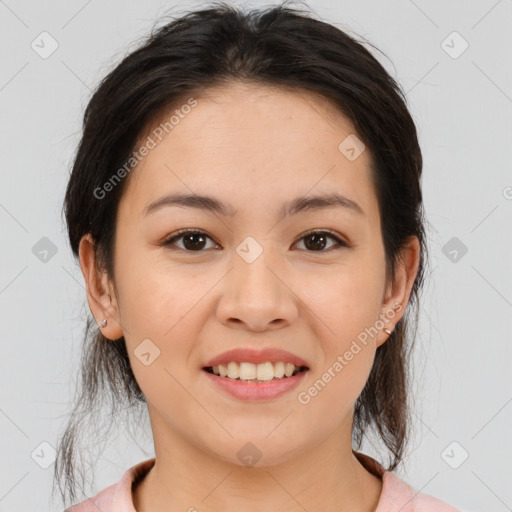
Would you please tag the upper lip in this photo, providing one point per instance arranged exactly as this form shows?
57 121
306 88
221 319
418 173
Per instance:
256 356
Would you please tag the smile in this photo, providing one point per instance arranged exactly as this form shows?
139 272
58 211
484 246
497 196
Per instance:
248 381
251 372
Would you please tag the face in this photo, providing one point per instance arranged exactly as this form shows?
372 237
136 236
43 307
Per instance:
249 275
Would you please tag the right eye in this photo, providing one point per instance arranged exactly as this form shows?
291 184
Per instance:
193 240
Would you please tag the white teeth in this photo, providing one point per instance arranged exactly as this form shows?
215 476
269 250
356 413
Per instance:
233 371
222 370
264 371
279 369
249 371
288 369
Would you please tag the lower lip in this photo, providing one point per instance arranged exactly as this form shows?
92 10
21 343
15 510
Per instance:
256 391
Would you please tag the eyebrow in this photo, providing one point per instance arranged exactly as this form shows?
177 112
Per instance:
211 204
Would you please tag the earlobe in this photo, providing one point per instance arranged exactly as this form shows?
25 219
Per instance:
99 292
399 291
389 322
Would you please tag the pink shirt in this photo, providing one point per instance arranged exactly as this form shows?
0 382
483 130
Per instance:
396 495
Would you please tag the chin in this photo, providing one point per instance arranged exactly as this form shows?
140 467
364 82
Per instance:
255 450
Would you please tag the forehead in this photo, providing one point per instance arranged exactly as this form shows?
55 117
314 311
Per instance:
245 142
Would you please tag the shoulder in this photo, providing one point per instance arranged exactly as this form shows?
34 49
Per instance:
398 495
102 501
116 497
426 503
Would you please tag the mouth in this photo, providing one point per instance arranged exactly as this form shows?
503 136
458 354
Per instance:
250 372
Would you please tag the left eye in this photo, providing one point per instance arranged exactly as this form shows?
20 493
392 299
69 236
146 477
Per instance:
319 238
194 241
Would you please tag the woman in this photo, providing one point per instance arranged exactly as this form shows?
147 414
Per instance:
246 207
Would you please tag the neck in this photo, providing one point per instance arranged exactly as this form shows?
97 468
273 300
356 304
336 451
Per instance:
327 477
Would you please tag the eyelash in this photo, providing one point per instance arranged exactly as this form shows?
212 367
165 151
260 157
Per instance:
180 234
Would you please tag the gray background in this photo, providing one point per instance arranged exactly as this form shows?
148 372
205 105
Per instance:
462 107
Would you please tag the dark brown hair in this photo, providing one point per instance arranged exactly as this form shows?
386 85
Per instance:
278 46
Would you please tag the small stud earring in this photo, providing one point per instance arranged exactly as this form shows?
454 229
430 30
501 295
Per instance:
103 324
387 331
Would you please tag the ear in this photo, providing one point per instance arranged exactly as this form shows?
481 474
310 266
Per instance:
399 290
100 292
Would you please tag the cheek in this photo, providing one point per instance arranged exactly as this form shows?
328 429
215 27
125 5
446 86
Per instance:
160 318
347 303
346 300
155 294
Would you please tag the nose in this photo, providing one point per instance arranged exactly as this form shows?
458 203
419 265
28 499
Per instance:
256 297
